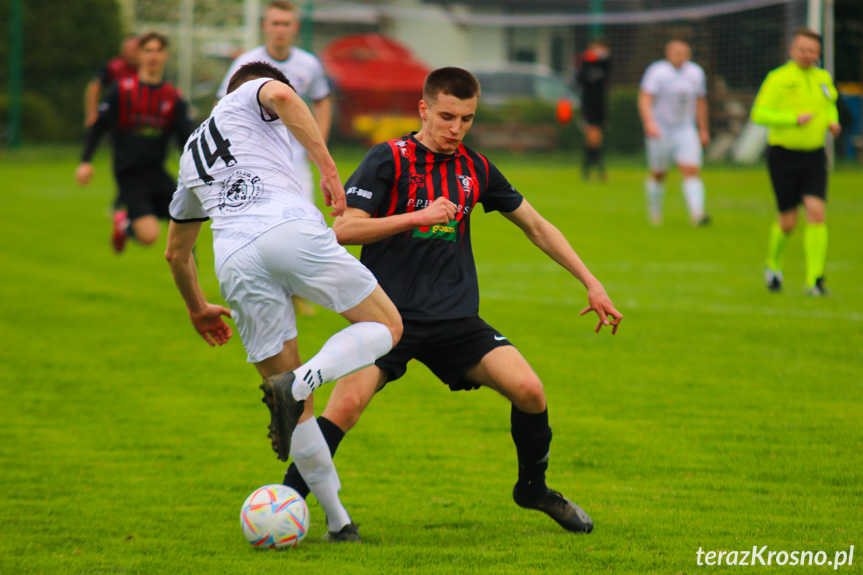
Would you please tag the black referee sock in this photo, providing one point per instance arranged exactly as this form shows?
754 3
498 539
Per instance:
333 435
532 437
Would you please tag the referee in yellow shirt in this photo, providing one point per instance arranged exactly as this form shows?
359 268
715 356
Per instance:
797 102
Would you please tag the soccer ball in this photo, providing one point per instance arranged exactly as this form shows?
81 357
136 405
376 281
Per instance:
274 517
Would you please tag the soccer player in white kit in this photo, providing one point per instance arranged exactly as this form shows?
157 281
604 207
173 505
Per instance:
270 243
280 26
673 107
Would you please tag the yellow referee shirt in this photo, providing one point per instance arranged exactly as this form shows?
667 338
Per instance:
789 91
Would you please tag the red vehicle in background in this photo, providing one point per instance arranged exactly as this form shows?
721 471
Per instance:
377 84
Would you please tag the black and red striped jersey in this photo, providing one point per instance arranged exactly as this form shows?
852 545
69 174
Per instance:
142 118
428 272
116 69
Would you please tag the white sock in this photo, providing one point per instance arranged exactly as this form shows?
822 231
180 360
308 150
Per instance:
655 192
693 190
355 347
311 454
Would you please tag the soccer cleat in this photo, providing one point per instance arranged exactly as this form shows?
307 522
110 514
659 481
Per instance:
818 290
655 219
285 411
569 515
773 280
347 534
701 221
118 231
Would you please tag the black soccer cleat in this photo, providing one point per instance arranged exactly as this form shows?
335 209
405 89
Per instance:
347 534
285 411
773 280
568 515
818 290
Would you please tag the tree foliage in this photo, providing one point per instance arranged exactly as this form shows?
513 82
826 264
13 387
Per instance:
64 44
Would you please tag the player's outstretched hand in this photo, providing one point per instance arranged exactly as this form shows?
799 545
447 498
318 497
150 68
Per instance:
604 308
440 211
209 324
334 193
84 173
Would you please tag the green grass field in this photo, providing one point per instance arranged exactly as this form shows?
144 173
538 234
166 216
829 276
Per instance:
720 417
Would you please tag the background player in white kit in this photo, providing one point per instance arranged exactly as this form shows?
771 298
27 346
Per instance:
280 26
673 99
271 243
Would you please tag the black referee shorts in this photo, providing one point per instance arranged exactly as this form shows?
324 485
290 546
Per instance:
145 191
795 174
447 347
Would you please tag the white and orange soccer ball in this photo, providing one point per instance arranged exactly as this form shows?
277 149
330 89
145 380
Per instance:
274 517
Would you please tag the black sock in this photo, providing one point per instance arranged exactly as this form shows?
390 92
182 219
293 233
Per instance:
333 435
532 437
599 162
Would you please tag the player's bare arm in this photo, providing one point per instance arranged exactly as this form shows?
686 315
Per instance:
357 227
205 317
550 240
701 117
645 109
281 100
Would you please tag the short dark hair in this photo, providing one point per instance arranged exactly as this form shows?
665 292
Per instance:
808 33
153 35
451 81
254 70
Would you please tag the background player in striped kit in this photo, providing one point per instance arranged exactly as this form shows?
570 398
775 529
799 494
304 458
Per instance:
143 113
672 101
409 204
123 66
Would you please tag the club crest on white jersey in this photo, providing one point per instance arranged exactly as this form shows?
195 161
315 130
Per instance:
239 192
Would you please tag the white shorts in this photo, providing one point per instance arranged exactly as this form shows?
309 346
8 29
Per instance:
300 257
679 144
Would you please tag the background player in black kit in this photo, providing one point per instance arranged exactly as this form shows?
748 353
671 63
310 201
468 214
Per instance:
409 204
142 112
592 81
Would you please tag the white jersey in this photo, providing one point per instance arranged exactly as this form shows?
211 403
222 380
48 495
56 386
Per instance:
675 91
309 80
237 169
302 68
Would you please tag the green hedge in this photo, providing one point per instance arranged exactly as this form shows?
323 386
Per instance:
65 44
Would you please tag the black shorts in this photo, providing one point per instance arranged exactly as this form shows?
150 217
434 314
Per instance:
447 347
145 191
795 174
593 115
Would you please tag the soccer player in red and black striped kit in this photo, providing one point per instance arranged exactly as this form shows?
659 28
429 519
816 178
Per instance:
409 205
142 112
123 66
